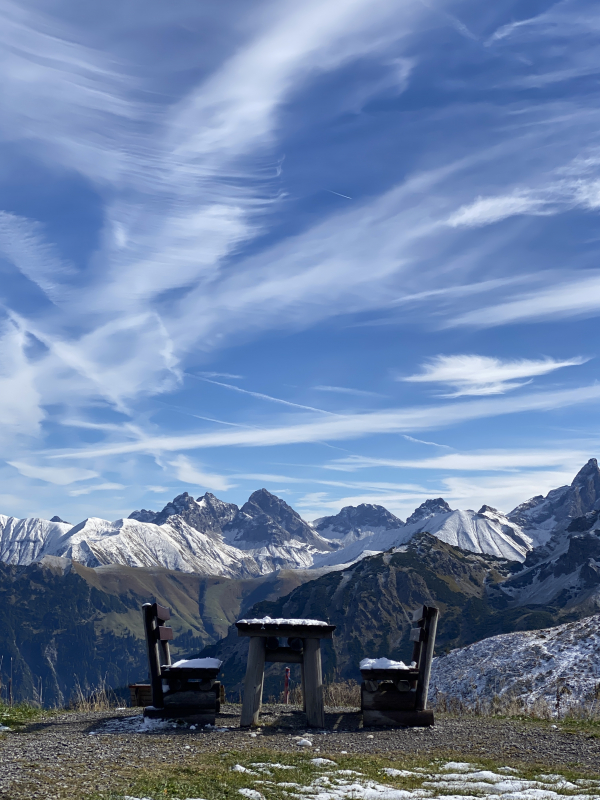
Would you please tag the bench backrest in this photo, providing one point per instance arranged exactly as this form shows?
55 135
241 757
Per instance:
158 637
423 637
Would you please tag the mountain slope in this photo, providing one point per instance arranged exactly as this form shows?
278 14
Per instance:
64 622
207 515
24 540
530 666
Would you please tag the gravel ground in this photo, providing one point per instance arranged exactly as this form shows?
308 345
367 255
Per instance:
73 754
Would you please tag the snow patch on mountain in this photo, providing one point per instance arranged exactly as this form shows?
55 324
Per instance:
486 531
24 540
529 665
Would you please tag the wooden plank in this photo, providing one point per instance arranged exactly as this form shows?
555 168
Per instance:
152 649
199 700
253 682
165 634
313 683
418 614
387 698
417 635
284 655
161 613
426 658
287 631
412 719
390 674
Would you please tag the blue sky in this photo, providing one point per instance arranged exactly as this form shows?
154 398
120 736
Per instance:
347 251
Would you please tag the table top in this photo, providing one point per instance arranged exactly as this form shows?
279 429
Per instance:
302 629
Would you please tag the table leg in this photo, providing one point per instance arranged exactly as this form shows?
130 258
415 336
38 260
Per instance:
253 683
313 681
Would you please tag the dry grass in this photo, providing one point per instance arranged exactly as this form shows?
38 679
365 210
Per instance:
344 694
97 698
507 705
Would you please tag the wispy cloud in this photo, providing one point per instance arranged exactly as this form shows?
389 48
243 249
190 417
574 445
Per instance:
352 426
261 396
98 487
60 476
347 390
578 297
506 460
422 441
483 375
187 472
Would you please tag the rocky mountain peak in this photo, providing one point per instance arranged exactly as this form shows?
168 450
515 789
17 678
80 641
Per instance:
357 520
430 508
56 518
207 515
266 519
488 510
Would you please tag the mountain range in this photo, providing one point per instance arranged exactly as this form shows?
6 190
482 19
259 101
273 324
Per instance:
212 537
73 592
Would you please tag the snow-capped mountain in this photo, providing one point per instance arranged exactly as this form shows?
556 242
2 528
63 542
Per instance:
215 537
357 522
485 531
528 665
24 540
207 514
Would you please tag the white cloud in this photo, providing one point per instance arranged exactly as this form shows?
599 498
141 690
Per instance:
578 297
20 399
351 426
188 473
486 210
483 375
347 390
98 487
60 476
478 461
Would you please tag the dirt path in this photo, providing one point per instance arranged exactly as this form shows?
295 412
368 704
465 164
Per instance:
70 755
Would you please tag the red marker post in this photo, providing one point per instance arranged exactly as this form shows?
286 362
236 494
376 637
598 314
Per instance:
286 687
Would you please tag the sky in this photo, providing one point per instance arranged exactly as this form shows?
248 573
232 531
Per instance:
345 251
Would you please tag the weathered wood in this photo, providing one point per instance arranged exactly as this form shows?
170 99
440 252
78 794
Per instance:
140 694
150 626
389 674
387 698
253 682
284 655
412 719
417 635
286 631
313 683
165 634
426 657
303 685
418 614
161 613
185 699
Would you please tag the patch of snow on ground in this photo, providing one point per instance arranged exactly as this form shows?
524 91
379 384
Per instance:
453 781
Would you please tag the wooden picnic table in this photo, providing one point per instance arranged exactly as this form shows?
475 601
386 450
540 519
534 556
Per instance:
303 647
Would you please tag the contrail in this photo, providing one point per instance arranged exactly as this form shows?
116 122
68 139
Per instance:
338 194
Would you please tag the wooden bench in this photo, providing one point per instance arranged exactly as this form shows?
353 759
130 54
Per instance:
398 697
189 693
303 647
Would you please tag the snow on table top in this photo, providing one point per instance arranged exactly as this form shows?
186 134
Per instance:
198 663
280 621
384 663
